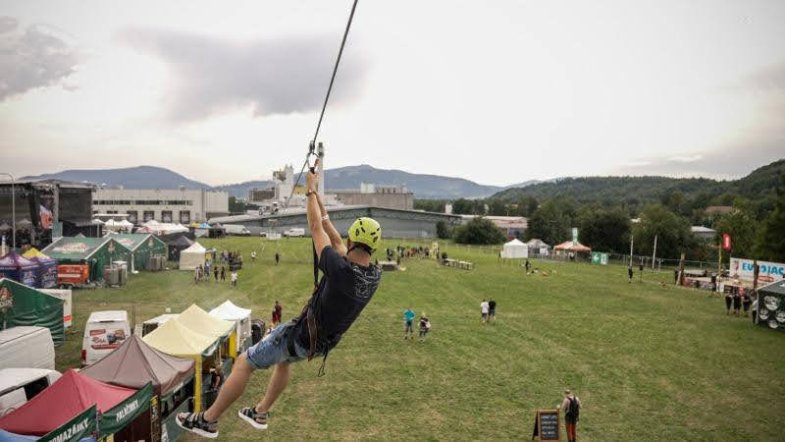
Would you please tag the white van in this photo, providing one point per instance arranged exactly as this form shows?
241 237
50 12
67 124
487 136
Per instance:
294 231
27 347
104 332
19 385
236 229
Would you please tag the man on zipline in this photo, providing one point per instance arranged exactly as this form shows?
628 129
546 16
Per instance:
349 282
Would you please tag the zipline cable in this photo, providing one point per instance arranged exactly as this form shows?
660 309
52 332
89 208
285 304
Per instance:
312 144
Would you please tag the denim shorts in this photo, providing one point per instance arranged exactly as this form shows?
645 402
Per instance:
273 349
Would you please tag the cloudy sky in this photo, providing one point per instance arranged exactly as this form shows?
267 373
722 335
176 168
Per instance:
497 92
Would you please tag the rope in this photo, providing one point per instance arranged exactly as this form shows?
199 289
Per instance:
312 144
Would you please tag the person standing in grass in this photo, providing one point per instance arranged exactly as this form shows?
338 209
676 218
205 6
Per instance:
491 310
746 302
223 273
571 407
348 285
629 273
736 302
728 301
484 309
215 272
277 313
277 258
408 321
425 326
235 276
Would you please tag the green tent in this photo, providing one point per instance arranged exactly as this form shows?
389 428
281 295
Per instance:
27 306
97 252
143 246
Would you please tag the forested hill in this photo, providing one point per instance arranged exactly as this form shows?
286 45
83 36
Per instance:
635 191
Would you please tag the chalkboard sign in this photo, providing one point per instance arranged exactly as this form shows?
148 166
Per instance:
546 425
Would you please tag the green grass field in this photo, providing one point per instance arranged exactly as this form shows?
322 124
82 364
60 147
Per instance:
649 361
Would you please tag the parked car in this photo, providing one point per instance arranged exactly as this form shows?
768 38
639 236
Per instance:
19 385
294 232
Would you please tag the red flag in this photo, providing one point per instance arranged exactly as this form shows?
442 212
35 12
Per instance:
726 242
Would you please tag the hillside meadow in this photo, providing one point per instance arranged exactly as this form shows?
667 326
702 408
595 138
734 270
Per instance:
649 361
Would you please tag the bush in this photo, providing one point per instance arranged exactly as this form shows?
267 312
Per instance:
443 230
479 231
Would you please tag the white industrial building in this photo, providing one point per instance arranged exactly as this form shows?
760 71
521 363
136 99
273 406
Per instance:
164 205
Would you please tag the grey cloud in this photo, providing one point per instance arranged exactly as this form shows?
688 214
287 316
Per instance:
8 24
38 57
271 76
730 162
769 79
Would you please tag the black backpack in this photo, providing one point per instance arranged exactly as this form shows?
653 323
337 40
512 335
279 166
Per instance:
573 409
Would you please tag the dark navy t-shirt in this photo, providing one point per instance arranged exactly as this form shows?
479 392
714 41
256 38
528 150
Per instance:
343 293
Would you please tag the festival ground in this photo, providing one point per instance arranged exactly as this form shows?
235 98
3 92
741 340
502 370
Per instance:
649 361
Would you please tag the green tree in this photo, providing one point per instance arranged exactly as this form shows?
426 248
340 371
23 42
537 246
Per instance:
443 230
479 231
464 206
497 207
551 222
743 230
771 241
672 232
606 230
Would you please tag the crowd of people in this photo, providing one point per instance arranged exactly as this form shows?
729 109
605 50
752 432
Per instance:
737 298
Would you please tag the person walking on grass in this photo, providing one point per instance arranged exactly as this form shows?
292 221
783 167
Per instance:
277 258
234 277
348 285
491 310
571 407
277 313
425 326
484 310
215 272
408 321
223 273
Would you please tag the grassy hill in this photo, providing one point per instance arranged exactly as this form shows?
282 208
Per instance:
649 361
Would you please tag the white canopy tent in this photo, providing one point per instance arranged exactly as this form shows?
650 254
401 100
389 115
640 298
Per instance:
241 317
515 249
192 257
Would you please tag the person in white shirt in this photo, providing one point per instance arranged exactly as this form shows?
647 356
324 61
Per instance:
234 279
484 309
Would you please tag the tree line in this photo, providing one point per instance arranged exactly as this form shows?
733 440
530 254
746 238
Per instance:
755 221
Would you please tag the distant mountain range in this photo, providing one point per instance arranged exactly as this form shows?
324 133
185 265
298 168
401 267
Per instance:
141 177
343 178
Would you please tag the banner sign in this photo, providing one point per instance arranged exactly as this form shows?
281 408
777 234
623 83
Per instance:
125 412
726 242
744 269
66 296
80 428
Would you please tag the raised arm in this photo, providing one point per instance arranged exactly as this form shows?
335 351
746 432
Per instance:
312 204
335 237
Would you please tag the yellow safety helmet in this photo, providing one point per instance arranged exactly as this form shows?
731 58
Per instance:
366 231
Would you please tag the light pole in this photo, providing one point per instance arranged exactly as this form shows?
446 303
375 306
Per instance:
13 210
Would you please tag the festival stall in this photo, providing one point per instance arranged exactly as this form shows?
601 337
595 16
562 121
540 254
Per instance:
17 267
144 249
771 306
241 318
28 306
136 363
571 248
46 274
173 338
73 394
176 245
93 253
515 249
192 257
